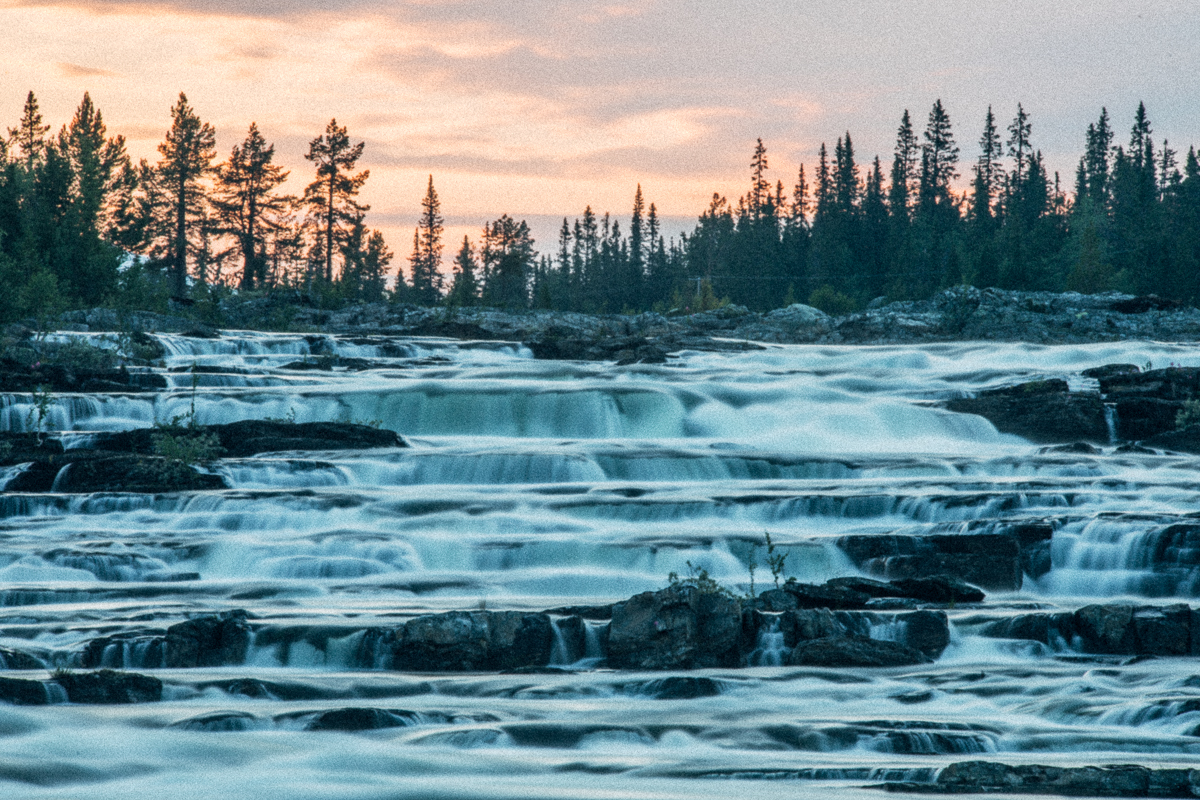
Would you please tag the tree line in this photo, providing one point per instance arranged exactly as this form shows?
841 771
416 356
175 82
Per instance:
81 224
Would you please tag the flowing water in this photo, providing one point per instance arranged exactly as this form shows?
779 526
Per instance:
538 484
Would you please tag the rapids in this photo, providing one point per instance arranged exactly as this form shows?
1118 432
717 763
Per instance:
541 484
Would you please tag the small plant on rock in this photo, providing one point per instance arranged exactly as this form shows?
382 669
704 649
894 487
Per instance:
40 411
1188 415
699 579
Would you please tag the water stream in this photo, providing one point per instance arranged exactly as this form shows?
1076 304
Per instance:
534 485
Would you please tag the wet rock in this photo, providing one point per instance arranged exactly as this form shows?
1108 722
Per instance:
1078 448
517 639
1124 780
808 595
1049 629
16 660
1143 303
142 474
1041 411
21 692
993 560
1163 631
854 651
252 437
926 631
210 641
676 628
1186 440
460 641
1106 628
1110 370
805 625
109 687
867 586
939 589
219 722
359 719
680 687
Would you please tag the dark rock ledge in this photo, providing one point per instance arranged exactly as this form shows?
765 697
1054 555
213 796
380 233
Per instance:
1120 780
129 461
1142 406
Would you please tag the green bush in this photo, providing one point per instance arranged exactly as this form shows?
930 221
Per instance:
831 301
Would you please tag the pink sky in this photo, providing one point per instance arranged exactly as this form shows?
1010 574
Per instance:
540 108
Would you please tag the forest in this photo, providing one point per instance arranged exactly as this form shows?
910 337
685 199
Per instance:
83 225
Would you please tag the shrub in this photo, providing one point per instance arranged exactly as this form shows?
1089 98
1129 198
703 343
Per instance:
831 301
1188 415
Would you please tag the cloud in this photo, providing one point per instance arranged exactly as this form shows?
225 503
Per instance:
69 70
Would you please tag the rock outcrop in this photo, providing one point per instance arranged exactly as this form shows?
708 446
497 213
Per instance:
1122 780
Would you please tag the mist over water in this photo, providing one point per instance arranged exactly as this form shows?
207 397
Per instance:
540 484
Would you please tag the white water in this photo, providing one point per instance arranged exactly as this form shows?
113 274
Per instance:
534 485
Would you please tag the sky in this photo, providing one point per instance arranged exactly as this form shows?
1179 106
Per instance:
537 109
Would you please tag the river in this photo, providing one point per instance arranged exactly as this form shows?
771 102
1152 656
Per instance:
539 484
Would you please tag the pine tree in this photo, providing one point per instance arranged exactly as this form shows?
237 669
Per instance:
904 168
427 253
845 176
246 204
187 154
939 154
1019 147
508 258
465 289
330 198
29 137
989 171
760 189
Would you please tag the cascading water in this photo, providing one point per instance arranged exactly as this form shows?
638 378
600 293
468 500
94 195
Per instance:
535 485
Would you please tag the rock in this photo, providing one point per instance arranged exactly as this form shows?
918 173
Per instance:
142 474
16 660
1041 411
1186 440
854 651
1122 780
676 628
939 589
359 719
1143 303
1106 628
252 437
827 596
867 586
804 625
1163 631
680 687
517 639
1110 370
460 641
109 687
926 631
1049 629
21 692
215 640
994 560
219 722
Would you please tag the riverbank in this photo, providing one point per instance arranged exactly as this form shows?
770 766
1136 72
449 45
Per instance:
958 314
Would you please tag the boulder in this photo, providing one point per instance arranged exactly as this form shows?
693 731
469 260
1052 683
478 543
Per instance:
994 559
359 719
1106 628
16 660
1164 631
808 595
1041 411
1186 440
926 631
805 625
460 641
854 651
109 687
21 692
679 627
214 640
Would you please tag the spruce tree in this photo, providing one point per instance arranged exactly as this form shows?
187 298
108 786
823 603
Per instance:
1019 147
246 204
187 154
28 139
427 252
465 289
330 198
